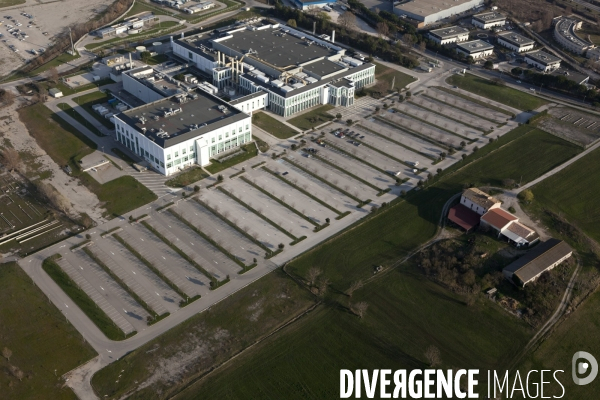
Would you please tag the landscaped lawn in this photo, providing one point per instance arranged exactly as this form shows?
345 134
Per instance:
188 177
63 143
313 118
273 126
88 100
502 94
250 151
574 192
387 75
79 118
44 346
120 195
55 62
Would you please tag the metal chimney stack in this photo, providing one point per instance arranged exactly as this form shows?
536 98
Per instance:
314 27
333 36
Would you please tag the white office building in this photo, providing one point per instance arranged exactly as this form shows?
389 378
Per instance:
475 48
543 61
488 20
515 42
174 133
451 34
295 69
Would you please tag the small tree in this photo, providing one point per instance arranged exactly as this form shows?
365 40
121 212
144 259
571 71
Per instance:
349 122
196 189
327 220
463 143
312 275
526 196
220 178
88 236
475 149
433 356
338 116
354 287
6 353
322 286
360 308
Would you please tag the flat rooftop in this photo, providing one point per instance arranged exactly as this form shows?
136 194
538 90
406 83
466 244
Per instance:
449 32
275 47
424 8
566 28
475 46
542 57
323 68
515 39
202 110
492 16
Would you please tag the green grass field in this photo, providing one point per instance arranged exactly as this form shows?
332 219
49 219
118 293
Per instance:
79 118
272 126
313 118
63 143
578 333
111 194
502 94
187 177
575 193
40 339
387 75
216 335
216 167
406 314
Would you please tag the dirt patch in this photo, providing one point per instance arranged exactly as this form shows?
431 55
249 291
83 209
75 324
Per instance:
13 131
572 125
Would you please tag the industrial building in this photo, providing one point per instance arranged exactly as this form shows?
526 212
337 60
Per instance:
189 128
429 11
296 70
451 34
543 61
515 42
544 257
307 4
475 48
565 34
205 5
488 20
128 26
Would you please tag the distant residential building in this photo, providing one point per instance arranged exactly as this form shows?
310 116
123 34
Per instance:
488 20
451 34
544 257
515 42
475 48
542 60
478 201
427 12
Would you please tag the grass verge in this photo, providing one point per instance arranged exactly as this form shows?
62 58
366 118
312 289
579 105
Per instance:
502 94
40 339
88 100
79 118
313 118
186 178
249 151
83 301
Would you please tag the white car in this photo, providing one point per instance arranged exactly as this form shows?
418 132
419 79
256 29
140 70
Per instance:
518 81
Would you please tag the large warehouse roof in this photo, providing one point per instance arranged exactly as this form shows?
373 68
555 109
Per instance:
424 8
275 47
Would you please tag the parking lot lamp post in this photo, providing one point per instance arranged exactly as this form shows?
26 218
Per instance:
541 84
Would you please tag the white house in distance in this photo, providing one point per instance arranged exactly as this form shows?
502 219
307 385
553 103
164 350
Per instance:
451 34
176 132
478 201
515 42
542 60
475 48
488 20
